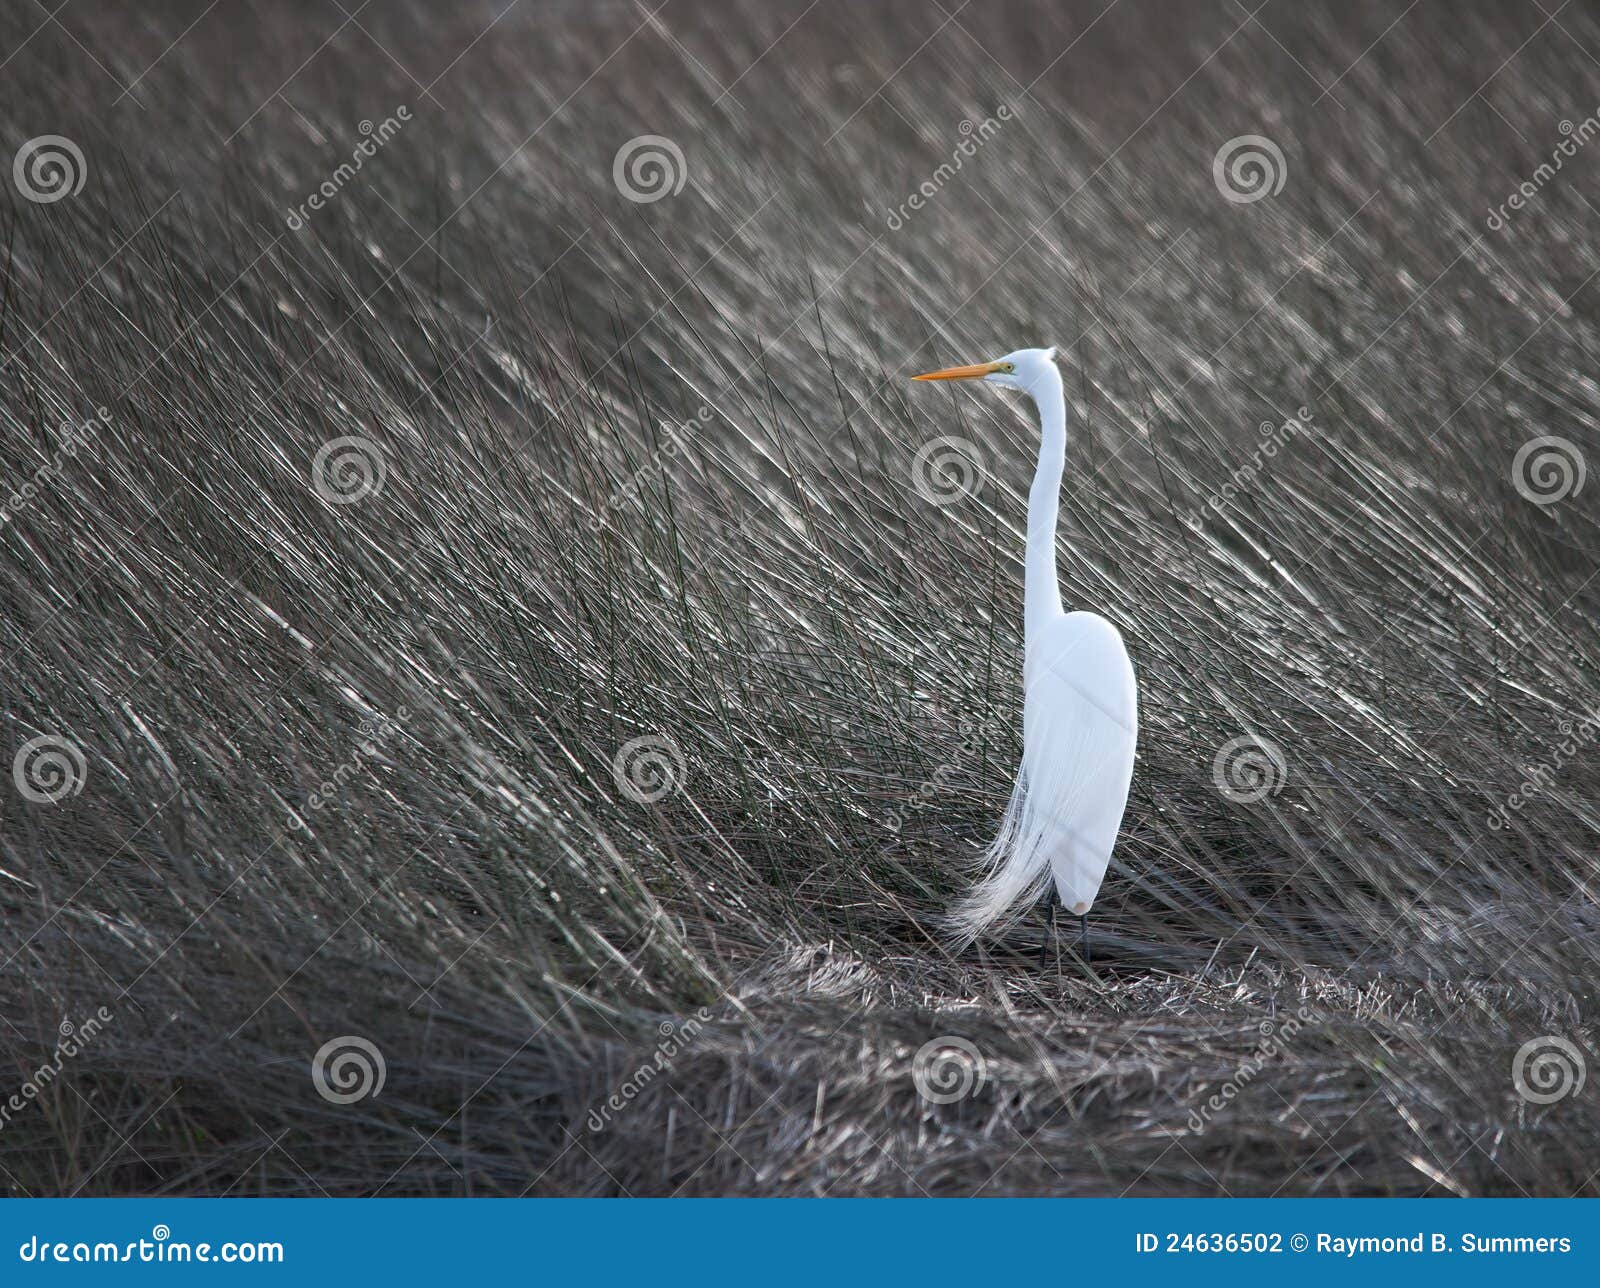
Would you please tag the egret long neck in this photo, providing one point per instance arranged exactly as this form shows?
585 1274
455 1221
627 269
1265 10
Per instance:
1041 590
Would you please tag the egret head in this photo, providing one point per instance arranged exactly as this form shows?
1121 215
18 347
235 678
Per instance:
1019 370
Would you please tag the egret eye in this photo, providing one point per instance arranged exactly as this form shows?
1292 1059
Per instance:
1008 366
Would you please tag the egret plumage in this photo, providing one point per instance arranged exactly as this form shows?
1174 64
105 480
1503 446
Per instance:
1079 709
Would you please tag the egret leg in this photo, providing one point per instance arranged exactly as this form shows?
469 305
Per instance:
1049 934
1083 937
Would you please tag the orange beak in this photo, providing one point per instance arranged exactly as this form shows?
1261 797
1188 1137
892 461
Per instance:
972 372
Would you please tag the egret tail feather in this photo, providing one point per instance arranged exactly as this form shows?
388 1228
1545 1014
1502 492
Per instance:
1015 872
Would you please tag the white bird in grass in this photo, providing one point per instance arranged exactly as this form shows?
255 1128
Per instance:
1080 707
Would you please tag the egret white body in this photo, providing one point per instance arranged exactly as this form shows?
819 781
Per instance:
1080 711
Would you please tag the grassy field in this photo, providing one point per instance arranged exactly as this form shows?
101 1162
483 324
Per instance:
503 675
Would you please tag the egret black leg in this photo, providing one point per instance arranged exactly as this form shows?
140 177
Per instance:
1049 932
1083 937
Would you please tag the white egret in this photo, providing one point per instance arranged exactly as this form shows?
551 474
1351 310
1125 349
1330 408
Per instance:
1080 713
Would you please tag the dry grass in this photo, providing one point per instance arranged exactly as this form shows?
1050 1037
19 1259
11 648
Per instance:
481 901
